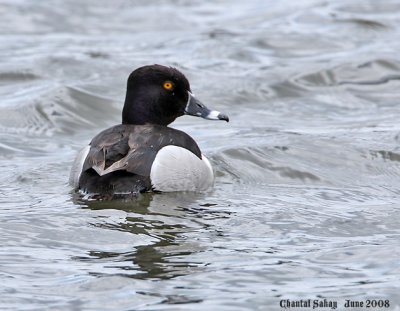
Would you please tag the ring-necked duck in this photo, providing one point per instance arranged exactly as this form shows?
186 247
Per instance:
143 153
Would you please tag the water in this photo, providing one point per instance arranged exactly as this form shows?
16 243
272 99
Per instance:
306 199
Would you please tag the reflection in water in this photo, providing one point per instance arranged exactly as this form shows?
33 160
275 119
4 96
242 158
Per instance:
164 218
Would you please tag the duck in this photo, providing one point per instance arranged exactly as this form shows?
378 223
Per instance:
143 153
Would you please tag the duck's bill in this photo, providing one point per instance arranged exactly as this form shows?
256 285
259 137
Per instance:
196 108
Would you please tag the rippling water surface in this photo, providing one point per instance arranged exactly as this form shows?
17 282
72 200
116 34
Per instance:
306 199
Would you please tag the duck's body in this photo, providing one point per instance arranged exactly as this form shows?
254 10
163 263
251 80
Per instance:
143 153
136 158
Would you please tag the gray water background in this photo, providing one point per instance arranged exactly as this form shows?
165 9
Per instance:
306 199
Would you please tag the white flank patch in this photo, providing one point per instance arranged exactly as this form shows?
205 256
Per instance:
178 169
76 169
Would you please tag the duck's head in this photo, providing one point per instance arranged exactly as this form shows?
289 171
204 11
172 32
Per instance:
157 94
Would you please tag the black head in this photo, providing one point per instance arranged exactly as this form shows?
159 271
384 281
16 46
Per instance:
157 94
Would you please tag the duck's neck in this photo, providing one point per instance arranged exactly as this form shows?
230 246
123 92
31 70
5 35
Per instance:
139 113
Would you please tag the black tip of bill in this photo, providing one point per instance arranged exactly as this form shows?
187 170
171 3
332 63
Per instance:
224 117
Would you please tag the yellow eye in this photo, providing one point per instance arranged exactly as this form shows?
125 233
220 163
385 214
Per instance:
168 85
